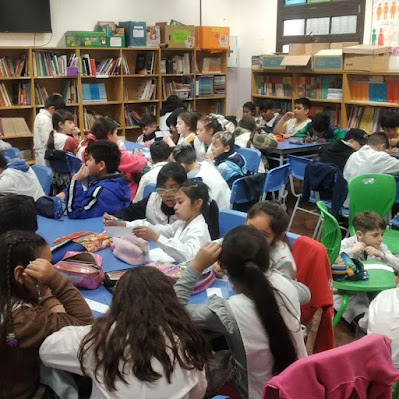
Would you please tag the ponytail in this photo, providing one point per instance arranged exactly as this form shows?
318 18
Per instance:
210 212
245 255
50 142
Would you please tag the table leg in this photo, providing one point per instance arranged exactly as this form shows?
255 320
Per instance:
341 311
281 159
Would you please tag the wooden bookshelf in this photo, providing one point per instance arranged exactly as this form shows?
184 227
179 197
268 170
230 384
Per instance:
341 106
121 89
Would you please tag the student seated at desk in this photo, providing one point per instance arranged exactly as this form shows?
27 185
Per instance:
249 109
338 153
261 324
145 346
197 224
17 177
269 116
28 313
148 126
321 130
186 126
108 191
390 126
294 121
158 207
207 126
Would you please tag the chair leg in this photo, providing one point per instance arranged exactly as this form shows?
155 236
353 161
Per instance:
317 230
341 311
293 213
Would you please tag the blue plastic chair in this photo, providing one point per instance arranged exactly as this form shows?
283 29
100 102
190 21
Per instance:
228 219
252 158
13 152
74 163
298 167
148 189
240 193
44 175
276 180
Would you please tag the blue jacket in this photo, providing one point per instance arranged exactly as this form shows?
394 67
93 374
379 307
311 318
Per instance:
107 194
231 167
18 164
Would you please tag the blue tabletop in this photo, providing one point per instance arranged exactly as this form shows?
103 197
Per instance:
286 145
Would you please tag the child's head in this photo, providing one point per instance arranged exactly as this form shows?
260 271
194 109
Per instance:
390 124
320 124
270 218
248 123
246 258
17 212
170 178
144 325
185 155
186 123
63 121
232 119
369 228
171 103
105 129
267 110
378 141
301 108
103 158
148 124
207 126
171 121
222 143
249 109
54 103
159 151
357 138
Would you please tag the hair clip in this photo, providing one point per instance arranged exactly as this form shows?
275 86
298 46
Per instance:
11 341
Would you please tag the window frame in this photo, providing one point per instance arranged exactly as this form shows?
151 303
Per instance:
320 10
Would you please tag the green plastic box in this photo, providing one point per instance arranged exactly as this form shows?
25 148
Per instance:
85 39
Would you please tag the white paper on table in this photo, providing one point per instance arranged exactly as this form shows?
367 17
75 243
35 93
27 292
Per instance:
377 266
97 306
118 231
214 291
157 255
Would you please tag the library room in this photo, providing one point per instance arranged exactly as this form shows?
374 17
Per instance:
199 199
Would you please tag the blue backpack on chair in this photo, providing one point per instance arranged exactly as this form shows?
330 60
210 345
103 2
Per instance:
50 207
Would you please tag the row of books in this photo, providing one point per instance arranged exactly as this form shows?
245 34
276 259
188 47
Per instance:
334 113
177 64
366 118
282 106
278 86
173 87
133 118
20 95
47 63
147 90
70 92
146 62
89 117
316 87
212 65
8 69
206 86
108 66
13 127
375 88
94 92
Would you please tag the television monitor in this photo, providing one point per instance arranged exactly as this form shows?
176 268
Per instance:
27 16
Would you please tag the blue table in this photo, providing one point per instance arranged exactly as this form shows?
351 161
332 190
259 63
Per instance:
285 147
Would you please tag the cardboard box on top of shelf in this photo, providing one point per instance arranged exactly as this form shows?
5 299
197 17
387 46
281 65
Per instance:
366 58
212 37
304 61
272 61
177 36
307 48
342 45
331 59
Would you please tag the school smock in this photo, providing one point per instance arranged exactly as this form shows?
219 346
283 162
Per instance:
269 126
384 319
42 127
60 351
332 134
201 149
236 318
19 178
179 240
281 259
64 142
106 194
187 140
292 126
219 190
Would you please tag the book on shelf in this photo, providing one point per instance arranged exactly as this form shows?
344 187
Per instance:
106 67
177 64
212 65
320 87
70 92
375 89
274 86
204 86
89 117
219 85
22 93
282 106
147 90
94 92
145 63
5 98
48 63
366 118
13 127
41 94
333 113
9 69
174 87
133 118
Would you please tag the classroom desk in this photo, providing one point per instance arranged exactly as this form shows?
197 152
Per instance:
285 147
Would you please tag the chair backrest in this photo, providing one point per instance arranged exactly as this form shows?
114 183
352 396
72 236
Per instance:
12 152
130 146
397 189
148 189
245 189
252 158
74 163
228 219
44 175
276 178
371 192
330 233
298 166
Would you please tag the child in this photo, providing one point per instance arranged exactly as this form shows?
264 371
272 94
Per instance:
186 127
130 164
269 116
207 126
321 130
27 313
232 119
17 177
145 346
108 191
261 324
172 103
219 191
229 163
294 121
158 207
171 122
390 126
338 153
43 125
198 222
160 154
242 134
148 126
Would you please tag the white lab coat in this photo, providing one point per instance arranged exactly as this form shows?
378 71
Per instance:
41 131
200 149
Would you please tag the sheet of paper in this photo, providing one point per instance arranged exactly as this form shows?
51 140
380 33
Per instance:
377 266
214 291
97 306
118 231
157 255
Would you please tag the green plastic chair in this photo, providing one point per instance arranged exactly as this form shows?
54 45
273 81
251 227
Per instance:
374 192
330 233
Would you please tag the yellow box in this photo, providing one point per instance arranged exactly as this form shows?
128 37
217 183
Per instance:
212 37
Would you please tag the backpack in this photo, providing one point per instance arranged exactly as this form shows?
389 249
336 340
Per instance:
55 155
50 207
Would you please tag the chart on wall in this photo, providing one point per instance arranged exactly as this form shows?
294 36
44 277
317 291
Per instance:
385 24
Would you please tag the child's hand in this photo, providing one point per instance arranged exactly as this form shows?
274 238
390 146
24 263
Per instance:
217 270
358 247
41 270
81 174
207 255
288 115
321 140
308 139
110 220
169 141
146 233
393 142
375 252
